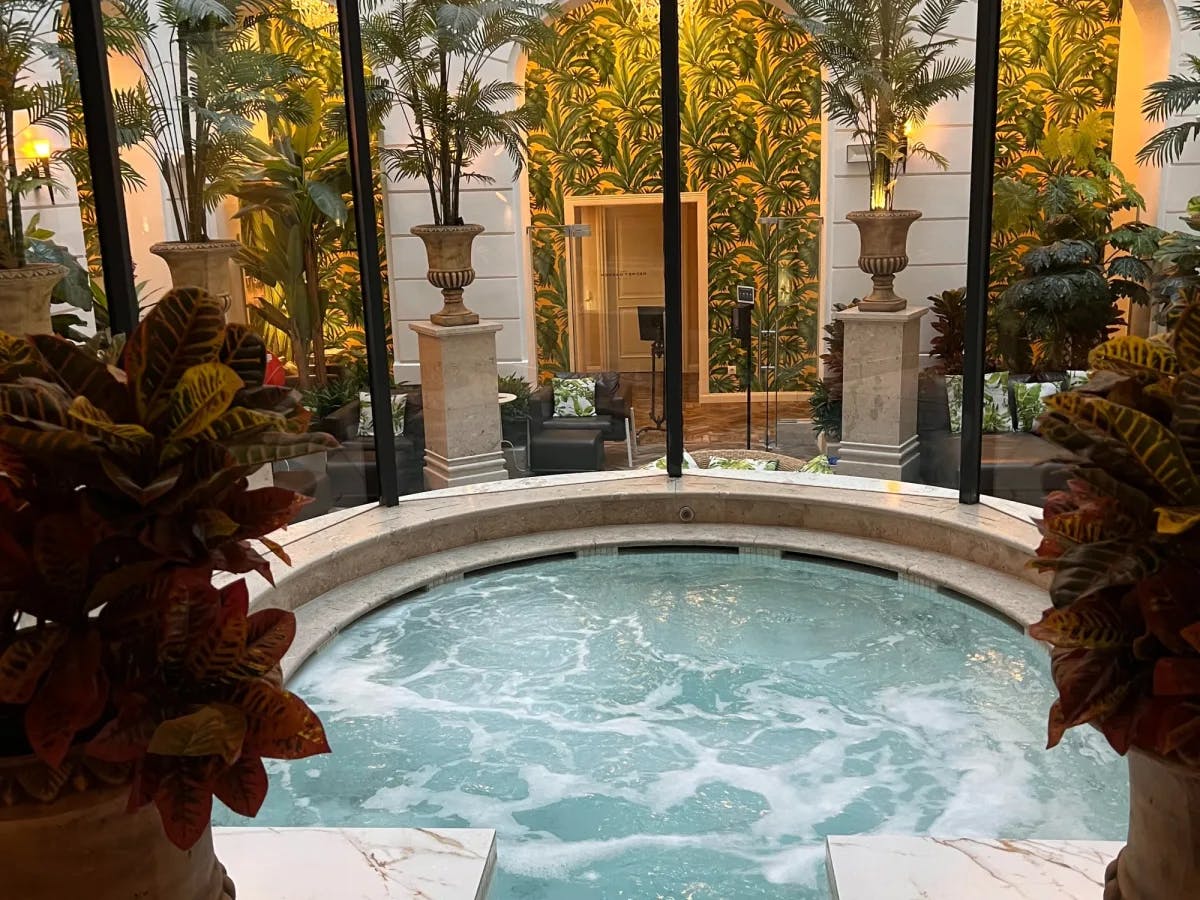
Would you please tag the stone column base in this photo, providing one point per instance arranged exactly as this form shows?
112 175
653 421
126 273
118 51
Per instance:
460 400
886 461
443 473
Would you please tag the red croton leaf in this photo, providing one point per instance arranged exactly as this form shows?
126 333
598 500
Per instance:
184 799
270 634
263 510
243 787
72 697
1093 624
1164 724
1177 677
25 659
1168 606
239 557
213 652
124 739
1092 685
278 723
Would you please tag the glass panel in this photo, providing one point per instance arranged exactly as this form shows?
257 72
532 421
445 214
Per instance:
1060 275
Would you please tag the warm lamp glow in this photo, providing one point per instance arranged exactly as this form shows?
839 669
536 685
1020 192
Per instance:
41 149
909 127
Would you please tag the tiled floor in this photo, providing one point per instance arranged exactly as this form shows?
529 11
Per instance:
707 425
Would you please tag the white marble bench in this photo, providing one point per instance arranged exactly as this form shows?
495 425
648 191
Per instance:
363 863
881 867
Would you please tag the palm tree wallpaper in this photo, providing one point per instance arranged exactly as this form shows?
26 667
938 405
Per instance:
751 130
1058 67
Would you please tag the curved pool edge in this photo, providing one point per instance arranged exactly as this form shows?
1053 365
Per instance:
322 619
978 551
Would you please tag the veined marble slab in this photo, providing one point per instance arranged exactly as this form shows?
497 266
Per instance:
359 863
881 867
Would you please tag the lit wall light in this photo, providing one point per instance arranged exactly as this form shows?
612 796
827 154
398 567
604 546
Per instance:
41 156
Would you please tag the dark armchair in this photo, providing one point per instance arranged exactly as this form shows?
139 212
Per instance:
613 418
351 467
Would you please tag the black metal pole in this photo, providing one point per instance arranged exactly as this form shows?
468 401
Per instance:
362 184
979 245
91 63
668 35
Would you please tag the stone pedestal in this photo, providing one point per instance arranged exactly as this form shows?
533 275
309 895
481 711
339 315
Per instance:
879 394
461 404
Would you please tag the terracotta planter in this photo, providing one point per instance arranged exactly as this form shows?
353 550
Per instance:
85 845
883 251
25 298
1161 858
203 264
448 248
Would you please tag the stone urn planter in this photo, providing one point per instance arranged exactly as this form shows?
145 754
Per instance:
25 298
1161 858
84 844
883 251
448 248
203 264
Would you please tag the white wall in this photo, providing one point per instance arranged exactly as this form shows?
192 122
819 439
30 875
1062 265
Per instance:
501 292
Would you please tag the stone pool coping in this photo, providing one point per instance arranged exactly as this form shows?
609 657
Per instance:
356 560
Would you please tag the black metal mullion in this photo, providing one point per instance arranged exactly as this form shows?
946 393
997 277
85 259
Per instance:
91 62
668 33
979 245
363 190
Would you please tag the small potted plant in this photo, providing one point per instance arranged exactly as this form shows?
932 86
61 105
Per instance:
433 54
885 68
25 285
1123 544
132 689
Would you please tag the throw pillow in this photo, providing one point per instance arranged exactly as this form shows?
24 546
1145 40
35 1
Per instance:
366 417
1075 378
1030 400
689 462
818 465
575 397
997 412
746 465
954 398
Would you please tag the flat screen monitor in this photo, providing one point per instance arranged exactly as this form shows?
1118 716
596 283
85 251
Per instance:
651 321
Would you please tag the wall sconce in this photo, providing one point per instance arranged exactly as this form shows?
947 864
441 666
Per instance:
41 156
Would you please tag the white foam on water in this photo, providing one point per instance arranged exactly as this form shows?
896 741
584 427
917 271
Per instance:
632 704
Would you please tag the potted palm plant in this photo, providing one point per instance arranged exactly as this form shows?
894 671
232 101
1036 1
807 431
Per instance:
25 285
204 84
433 53
1123 544
132 689
886 67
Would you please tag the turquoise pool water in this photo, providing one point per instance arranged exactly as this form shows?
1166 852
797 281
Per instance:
689 725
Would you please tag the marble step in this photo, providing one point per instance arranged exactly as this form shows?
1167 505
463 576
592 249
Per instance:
363 863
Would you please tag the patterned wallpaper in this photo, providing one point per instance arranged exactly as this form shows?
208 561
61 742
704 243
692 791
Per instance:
751 136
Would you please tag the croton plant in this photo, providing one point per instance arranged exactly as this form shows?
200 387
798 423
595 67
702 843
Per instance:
123 491
1123 544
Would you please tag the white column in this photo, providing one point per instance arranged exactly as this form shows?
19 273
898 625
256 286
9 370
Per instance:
460 403
879 394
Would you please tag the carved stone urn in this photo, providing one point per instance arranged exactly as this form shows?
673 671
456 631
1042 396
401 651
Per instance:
1161 858
448 248
76 839
883 251
203 264
25 298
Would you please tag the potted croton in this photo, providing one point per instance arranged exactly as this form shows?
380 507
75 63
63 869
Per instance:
433 54
1123 544
132 688
885 68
